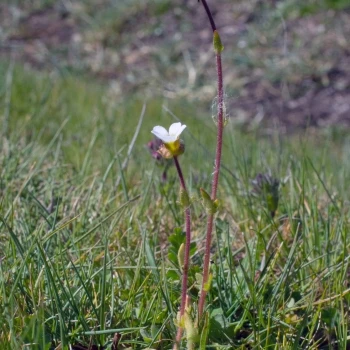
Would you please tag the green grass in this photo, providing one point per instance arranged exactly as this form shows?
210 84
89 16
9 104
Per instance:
84 241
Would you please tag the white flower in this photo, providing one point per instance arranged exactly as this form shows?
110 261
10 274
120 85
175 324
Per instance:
174 133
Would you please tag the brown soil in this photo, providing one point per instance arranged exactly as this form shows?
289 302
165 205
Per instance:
291 72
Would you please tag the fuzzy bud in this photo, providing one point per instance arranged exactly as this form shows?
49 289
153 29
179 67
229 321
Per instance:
181 256
191 330
184 198
218 47
207 285
210 206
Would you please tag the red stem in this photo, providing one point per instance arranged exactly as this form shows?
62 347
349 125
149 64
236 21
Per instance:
214 188
186 257
220 121
179 171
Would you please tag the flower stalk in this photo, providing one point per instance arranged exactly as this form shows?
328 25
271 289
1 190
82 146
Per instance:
186 262
220 127
172 147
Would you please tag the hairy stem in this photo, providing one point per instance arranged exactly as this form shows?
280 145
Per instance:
220 127
186 257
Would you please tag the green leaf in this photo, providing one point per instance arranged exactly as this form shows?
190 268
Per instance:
172 275
220 328
177 238
330 316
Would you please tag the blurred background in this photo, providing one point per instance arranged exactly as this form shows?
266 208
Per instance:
286 63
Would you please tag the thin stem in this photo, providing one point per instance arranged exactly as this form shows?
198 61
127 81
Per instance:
179 171
210 16
214 188
220 121
186 257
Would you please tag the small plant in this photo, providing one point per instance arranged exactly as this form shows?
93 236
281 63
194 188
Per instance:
220 122
173 147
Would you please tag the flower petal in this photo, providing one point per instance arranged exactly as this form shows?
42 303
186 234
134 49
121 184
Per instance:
174 128
183 127
168 138
174 132
159 131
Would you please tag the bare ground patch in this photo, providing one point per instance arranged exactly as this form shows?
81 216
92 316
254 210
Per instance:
281 69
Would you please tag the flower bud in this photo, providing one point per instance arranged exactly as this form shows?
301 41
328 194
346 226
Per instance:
210 206
218 47
184 198
181 256
207 285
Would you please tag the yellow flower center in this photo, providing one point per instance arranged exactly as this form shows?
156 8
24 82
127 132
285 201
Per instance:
175 148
